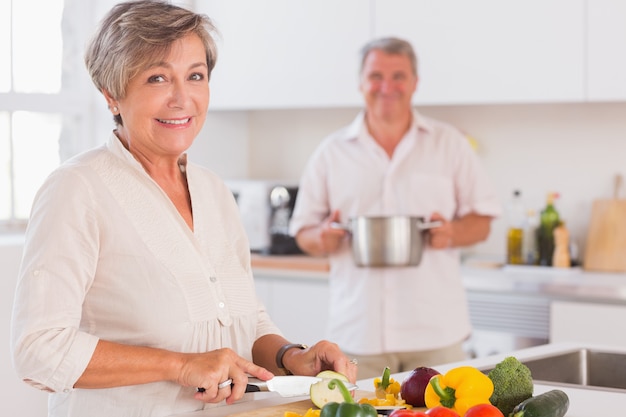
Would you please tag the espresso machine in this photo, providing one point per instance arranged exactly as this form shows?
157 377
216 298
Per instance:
282 202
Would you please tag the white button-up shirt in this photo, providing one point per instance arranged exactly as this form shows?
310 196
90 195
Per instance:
433 168
107 256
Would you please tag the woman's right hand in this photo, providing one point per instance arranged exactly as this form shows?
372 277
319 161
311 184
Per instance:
207 370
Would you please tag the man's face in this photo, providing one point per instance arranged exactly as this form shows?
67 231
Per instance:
387 84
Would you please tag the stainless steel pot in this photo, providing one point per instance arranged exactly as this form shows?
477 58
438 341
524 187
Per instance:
379 241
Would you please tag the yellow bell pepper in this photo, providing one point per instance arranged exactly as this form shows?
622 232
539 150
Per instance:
386 385
459 389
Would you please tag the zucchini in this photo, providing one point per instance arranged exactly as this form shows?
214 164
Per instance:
320 393
549 404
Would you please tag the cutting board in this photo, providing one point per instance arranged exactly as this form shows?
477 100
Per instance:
606 237
299 407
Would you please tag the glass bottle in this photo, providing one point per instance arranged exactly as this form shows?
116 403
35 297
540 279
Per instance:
515 232
548 220
529 240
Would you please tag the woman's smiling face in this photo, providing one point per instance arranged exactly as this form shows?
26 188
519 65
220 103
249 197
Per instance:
166 104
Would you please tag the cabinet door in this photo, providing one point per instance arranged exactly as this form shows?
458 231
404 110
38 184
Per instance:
301 309
297 305
491 51
285 53
606 39
587 323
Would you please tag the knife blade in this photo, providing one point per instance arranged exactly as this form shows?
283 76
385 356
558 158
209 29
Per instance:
285 386
289 385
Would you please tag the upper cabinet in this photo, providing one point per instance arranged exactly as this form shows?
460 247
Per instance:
606 50
491 51
304 54
285 53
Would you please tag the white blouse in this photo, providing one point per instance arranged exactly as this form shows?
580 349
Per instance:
108 256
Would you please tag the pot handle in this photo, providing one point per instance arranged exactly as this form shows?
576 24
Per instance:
429 225
339 226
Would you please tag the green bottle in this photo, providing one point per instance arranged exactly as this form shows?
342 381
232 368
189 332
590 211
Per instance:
549 219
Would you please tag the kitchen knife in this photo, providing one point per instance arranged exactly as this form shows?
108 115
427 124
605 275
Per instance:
285 386
288 386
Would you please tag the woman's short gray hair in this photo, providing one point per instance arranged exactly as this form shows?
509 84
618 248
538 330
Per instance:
135 33
394 46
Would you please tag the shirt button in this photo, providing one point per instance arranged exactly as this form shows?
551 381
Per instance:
221 304
36 272
213 279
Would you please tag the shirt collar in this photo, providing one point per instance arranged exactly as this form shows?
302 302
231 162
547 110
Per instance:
358 127
115 145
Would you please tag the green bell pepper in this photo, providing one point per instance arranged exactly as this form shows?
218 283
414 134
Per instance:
347 408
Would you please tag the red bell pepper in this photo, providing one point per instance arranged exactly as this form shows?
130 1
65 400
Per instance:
484 410
404 412
441 411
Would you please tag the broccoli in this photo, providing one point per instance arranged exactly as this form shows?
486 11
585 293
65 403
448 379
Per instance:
512 384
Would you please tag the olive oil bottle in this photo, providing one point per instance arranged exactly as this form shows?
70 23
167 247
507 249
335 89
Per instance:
515 233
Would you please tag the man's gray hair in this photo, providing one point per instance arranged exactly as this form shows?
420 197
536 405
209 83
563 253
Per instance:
394 46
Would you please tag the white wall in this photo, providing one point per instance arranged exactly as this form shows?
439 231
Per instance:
573 149
223 144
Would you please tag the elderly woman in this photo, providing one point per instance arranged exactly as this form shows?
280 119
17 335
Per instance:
136 286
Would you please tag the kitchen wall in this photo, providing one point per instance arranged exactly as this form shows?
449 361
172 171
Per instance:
573 149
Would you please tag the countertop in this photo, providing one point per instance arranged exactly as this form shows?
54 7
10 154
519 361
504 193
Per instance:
290 266
482 276
583 402
298 263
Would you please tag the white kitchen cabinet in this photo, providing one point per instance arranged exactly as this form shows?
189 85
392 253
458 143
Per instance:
606 40
593 323
298 306
491 51
278 54
285 53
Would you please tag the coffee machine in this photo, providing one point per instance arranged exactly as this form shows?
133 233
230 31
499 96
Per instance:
282 202
266 207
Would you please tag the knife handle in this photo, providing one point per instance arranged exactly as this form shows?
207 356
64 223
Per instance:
253 388
228 382
249 388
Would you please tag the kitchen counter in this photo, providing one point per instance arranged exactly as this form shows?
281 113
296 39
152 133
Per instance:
511 307
583 402
573 283
296 265
553 283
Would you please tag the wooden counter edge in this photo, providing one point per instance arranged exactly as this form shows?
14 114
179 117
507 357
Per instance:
290 262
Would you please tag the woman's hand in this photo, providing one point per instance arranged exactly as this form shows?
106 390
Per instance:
322 356
207 370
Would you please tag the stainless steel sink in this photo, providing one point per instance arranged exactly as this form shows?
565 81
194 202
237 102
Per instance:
588 368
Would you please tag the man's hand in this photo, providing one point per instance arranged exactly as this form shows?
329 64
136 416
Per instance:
323 239
441 237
